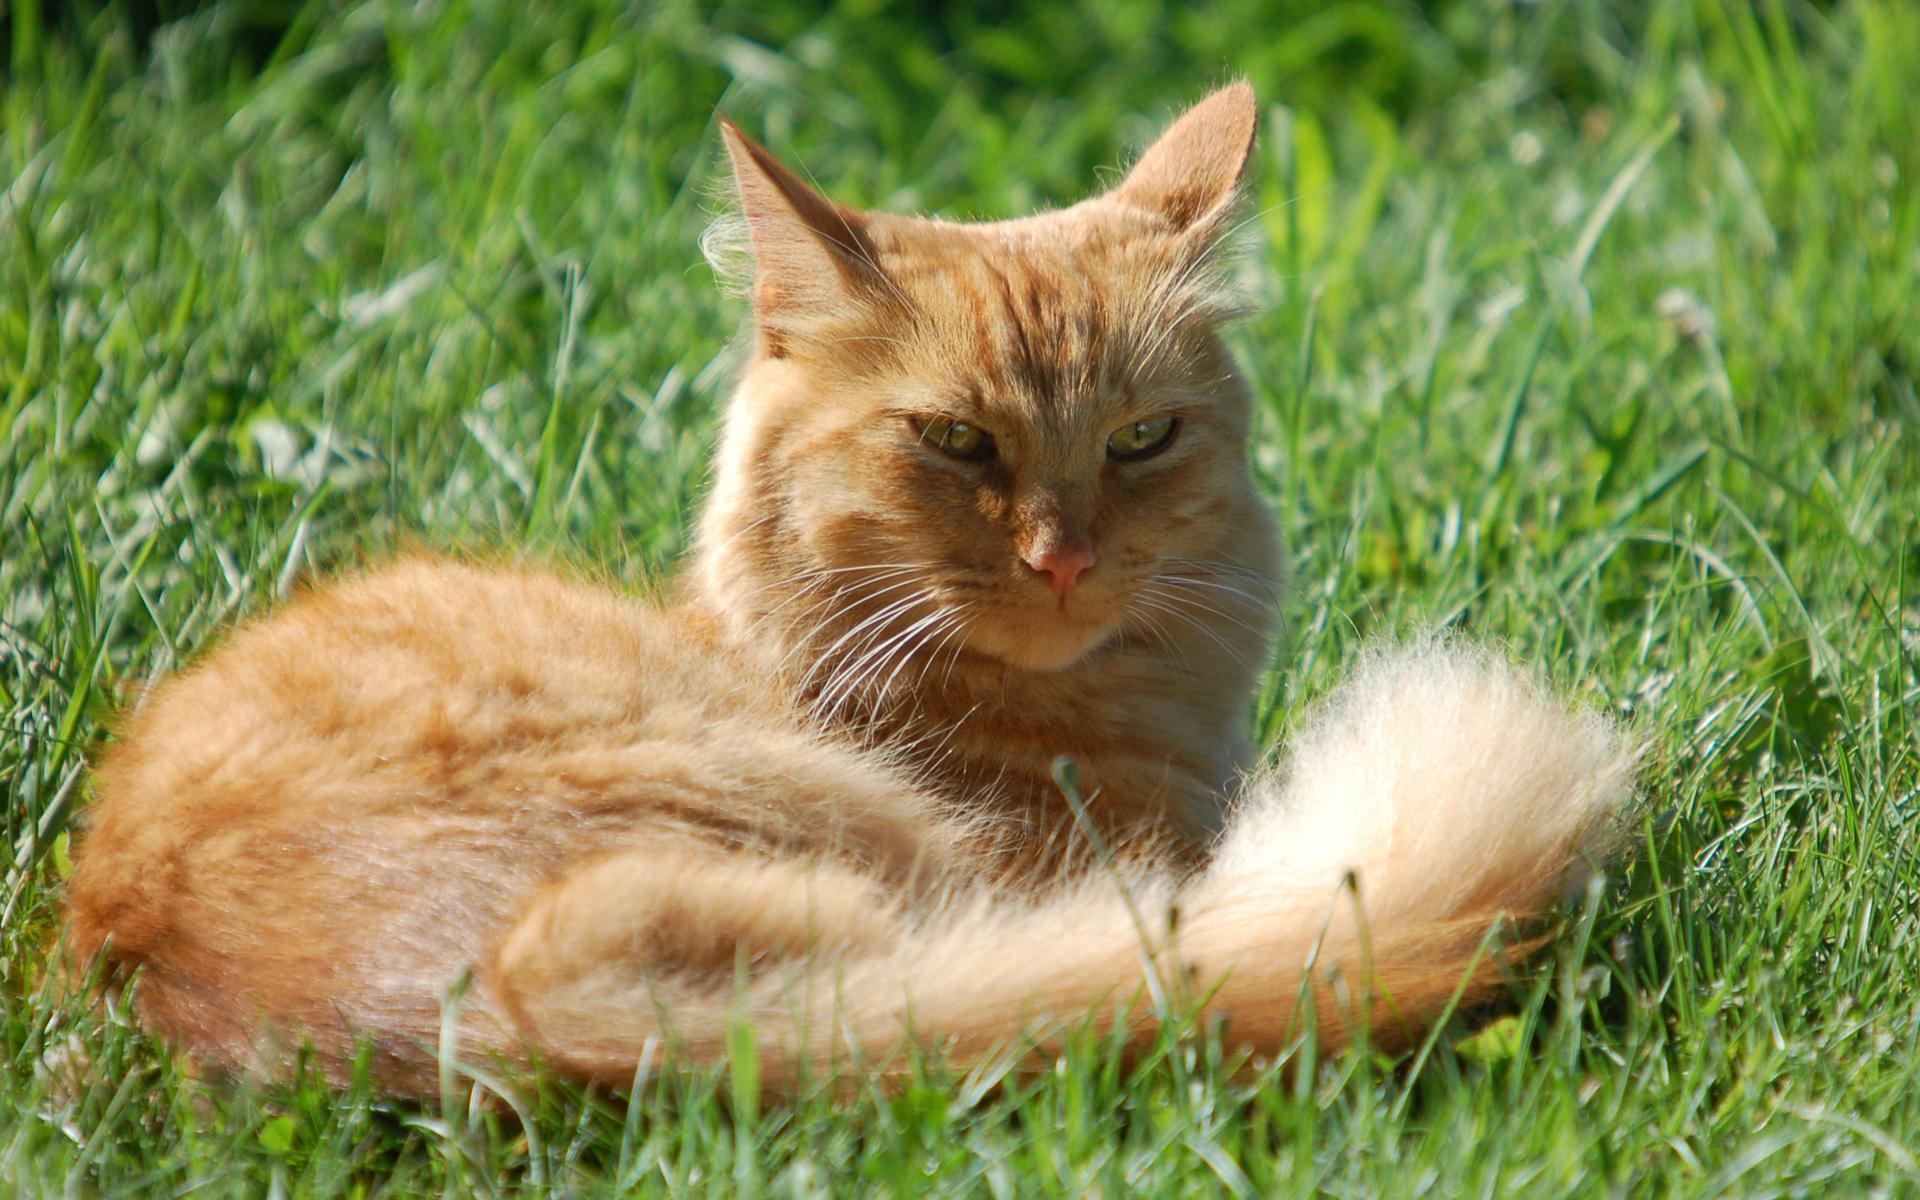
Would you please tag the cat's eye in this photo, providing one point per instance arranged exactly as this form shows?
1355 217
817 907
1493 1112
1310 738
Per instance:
1142 439
955 439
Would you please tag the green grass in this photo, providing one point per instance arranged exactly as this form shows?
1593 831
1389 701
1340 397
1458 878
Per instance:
427 275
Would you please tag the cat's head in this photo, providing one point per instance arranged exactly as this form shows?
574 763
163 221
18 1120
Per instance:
1021 440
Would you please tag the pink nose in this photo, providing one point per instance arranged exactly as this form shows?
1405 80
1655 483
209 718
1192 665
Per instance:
1063 566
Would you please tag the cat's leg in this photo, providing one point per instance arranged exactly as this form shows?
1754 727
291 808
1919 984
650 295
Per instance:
648 943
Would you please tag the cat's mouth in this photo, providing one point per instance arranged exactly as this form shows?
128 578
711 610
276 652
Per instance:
1049 635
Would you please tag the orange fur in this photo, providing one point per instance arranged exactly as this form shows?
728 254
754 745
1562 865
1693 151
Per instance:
830 761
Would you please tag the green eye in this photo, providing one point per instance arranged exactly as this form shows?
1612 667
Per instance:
1142 439
955 439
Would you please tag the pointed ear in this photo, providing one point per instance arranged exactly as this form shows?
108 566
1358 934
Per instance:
811 257
1191 176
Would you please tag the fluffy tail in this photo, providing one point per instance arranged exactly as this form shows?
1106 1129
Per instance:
1448 790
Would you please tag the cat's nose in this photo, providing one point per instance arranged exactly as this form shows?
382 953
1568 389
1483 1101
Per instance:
1063 565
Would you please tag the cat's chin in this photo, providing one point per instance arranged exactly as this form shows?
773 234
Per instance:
1052 646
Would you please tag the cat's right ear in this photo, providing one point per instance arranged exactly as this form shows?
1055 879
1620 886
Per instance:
811 256
1190 177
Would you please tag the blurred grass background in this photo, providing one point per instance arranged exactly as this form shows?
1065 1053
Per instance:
1589 328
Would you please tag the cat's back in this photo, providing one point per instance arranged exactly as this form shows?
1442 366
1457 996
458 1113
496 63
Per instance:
440 673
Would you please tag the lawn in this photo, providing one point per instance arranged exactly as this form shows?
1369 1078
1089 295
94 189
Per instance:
1589 329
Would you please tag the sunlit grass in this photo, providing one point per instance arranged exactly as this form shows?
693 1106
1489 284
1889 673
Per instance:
429 277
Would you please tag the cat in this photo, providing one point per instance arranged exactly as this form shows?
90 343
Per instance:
942 736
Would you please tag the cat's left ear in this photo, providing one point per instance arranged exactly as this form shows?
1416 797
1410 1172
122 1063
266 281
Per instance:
1191 176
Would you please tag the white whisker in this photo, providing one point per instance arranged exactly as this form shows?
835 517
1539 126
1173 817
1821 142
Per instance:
1177 606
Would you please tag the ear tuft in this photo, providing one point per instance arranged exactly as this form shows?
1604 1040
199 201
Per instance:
1191 175
811 256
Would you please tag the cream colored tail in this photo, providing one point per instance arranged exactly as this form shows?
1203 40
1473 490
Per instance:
1450 790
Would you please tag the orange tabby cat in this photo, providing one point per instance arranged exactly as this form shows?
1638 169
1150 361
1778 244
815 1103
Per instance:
982 501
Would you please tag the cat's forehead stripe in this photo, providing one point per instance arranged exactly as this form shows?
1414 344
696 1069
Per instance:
1047 318
1041 336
